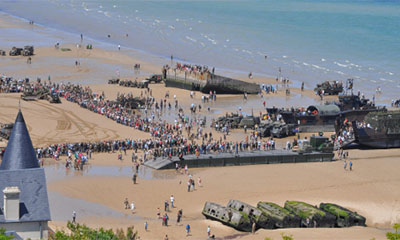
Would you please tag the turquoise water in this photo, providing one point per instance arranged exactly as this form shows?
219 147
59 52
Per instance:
310 40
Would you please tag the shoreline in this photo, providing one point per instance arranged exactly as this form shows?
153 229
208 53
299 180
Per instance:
371 188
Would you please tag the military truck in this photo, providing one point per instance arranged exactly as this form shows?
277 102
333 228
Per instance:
28 51
113 81
321 144
310 216
249 122
344 217
280 130
5 131
253 213
329 88
281 217
227 216
15 51
155 78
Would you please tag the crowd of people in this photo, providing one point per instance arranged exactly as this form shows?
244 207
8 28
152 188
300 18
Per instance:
165 140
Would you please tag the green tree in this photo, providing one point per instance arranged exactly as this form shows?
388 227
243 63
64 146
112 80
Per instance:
83 232
287 237
3 235
395 235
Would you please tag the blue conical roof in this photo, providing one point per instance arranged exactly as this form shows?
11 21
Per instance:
19 153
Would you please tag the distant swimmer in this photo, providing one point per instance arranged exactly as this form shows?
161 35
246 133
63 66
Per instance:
108 35
265 57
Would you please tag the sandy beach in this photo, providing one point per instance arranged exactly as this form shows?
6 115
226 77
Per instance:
97 193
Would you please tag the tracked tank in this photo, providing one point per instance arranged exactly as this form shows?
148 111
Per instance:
378 130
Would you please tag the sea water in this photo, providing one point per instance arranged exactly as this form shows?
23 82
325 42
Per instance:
308 40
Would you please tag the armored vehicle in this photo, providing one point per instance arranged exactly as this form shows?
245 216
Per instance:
5 130
329 88
265 129
155 78
227 216
28 51
249 122
310 216
113 81
344 217
254 214
54 98
15 51
378 130
282 218
321 144
280 130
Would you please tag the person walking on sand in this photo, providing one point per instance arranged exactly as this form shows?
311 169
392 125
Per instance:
350 166
126 202
172 201
134 178
158 213
345 165
73 217
146 225
208 231
133 207
199 181
187 230
179 216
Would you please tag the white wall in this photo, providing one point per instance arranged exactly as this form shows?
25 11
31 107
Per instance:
27 230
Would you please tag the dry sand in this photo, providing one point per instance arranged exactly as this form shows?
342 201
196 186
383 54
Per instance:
372 189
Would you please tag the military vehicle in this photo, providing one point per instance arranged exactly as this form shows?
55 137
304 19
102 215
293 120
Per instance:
249 122
5 131
321 144
280 130
54 98
129 83
281 218
310 216
378 130
227 216
113 81
254 214
15 51
28 51
232 120
344 217
265 128
156 78
30 95
329 88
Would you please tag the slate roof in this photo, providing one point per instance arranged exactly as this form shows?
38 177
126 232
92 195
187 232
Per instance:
19 153
34 203
20 168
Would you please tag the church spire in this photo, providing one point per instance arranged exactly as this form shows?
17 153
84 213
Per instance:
19 153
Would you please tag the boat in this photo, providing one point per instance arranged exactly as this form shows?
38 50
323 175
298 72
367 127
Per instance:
378 130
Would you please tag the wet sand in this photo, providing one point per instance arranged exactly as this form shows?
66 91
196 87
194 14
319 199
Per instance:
98 192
